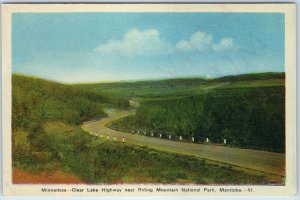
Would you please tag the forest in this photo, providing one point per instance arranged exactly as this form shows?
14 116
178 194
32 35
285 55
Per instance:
246 117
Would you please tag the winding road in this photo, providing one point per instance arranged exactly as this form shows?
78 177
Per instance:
252 160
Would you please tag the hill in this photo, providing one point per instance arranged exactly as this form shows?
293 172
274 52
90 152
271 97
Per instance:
36 103
46 136
251 77
182 87
35 100
246 110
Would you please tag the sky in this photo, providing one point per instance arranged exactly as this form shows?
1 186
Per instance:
97 47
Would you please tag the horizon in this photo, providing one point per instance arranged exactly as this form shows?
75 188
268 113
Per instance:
140 80
114 47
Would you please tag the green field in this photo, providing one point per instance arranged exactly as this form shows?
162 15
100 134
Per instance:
174 88
246 109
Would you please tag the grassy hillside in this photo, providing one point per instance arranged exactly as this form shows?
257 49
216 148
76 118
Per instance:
173 88
66 148
248 114
46 135
36 102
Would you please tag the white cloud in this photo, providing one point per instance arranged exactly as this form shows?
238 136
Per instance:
225 43
136 42
148 42
200 41
184 45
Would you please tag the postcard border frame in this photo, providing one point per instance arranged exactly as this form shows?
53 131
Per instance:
289 9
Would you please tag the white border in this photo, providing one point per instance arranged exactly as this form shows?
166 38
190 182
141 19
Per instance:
290 46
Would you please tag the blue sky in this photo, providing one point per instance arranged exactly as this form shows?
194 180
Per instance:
95 47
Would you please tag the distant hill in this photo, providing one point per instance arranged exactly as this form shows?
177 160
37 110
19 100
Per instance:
154 83
167 88
194 80
251 77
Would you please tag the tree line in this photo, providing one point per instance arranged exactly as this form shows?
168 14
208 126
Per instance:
246 117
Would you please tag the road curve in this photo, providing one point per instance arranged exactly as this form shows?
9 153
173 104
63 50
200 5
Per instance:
262 161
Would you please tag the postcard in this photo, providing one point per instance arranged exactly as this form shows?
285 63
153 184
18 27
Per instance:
149 99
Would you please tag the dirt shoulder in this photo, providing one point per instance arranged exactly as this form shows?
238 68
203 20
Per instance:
56 177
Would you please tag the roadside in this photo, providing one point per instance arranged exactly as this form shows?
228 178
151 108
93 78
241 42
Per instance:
56 177
256 160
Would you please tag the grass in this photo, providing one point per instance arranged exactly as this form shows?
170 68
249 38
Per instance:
173 88
268 162
97 161
161 167
134 164
47 137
